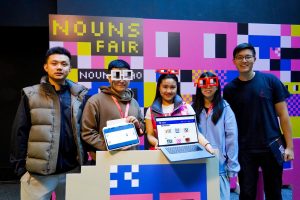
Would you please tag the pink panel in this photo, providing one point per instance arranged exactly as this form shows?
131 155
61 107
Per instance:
285 30
191 44
132 196
180 196
97 62
295 65
142 140
275 53
126 58
295 42
72 47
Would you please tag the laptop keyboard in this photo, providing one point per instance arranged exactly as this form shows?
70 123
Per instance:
183 149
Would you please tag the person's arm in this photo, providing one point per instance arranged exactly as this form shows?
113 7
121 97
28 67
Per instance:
205 143
90 126
201 139
153 141
231 143
19 140
285 124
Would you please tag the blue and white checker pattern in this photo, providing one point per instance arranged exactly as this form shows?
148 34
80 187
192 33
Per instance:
128 176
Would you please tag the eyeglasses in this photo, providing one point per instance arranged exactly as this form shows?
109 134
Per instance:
241 58
168 71
117 75
207 81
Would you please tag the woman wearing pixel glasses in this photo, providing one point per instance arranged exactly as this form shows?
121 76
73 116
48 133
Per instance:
217 123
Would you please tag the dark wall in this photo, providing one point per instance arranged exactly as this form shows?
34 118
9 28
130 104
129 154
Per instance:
24 36
24 41
21 62
255 11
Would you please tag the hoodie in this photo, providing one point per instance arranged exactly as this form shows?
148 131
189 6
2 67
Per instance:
100 108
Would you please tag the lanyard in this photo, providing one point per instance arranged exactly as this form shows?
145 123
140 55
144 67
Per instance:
210 109
123 115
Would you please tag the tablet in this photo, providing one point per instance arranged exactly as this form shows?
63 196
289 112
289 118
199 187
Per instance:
120 136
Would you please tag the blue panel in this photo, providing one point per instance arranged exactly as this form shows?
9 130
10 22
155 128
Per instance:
156 179
230 75
95 87
264 43
138 88
285 64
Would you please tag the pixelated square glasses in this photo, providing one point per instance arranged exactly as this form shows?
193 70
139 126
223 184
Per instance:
168 71
207 81
117 75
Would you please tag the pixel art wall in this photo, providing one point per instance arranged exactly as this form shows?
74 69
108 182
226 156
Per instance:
192 47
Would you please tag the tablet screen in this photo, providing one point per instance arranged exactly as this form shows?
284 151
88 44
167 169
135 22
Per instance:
120 136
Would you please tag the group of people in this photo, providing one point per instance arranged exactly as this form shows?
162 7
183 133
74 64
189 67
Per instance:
56 124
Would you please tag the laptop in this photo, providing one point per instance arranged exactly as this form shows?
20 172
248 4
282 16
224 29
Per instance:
178 138
119 136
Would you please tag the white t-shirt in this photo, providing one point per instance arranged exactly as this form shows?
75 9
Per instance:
169 109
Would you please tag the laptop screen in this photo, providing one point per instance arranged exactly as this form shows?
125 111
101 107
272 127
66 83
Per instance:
176 130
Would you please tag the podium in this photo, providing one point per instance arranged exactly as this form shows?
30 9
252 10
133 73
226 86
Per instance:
144 175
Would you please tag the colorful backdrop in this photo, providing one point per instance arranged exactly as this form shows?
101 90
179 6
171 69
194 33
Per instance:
190 46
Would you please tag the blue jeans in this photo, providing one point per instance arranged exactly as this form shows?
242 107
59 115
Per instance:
224 187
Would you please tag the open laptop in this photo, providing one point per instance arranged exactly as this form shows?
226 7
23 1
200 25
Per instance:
178 138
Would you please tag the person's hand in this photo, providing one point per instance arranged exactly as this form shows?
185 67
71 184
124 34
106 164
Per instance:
132 119
288 154
156 145
125 148
209 148
135 121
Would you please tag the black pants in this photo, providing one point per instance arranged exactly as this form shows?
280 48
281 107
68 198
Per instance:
248 176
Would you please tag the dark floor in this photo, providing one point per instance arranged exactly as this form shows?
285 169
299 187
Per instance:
10 191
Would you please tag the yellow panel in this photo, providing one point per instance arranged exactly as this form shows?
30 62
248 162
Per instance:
291 86
295 30
73 75
108 59
149 93
84 48
295 126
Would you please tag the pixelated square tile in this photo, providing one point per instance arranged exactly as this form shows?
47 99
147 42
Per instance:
285 76
97 62
137 62
84 62
186 76
72 47
285 64
150 90
56 44
242 28
285 42
187 88
149 75
84 49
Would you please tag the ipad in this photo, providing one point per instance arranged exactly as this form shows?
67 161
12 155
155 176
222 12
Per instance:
120 136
